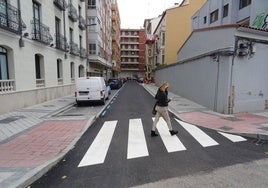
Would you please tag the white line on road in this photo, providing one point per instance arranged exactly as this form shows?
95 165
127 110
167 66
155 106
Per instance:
198 134
233 138
172 143
96 153
137 146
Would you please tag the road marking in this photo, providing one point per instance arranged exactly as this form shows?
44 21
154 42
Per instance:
198 134
96 153
233 138
137 146
172 143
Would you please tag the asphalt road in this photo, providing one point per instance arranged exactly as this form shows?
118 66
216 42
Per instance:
111 153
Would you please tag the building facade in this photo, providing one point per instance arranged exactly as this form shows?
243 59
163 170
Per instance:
173 29
132 42
223 66
116 68
222 12
99 38
42 50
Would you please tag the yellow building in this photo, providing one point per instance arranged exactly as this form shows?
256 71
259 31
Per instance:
173 29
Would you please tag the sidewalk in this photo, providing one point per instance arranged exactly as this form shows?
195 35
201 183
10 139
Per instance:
254 125
33 139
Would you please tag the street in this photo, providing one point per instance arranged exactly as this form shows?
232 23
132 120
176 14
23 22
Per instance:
118 151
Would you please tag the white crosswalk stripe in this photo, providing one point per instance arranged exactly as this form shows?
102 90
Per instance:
172 143
97 151
233 138
198 134
137 146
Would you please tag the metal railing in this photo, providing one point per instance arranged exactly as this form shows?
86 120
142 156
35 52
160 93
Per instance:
40 32
61 4
7 86
82 23
83 53
74 49
61 42
72 13
10 18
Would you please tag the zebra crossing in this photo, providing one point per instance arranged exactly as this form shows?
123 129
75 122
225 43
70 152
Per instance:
137 146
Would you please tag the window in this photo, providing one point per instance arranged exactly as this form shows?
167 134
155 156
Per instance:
214 16
3 64
36 21
72 70
91 4
37 67
244 3
163 38
163 58
205 20
225 11
92 49
59 72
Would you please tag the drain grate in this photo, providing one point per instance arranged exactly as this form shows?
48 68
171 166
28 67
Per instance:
226 128
11 119
231 118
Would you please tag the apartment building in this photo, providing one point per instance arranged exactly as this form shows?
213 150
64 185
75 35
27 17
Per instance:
132 42
42 50
116 68
99 38
223 12
173 29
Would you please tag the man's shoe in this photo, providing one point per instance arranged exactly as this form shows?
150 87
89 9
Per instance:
153 134
172 132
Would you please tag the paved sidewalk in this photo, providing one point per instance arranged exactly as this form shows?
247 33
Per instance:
33 139
246 124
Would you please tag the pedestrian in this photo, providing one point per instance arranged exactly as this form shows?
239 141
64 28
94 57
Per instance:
162 109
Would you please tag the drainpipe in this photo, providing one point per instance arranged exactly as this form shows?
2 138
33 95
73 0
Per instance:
231 90
64 32
21 42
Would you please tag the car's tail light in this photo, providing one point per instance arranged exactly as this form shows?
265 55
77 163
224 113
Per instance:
75 94
101 92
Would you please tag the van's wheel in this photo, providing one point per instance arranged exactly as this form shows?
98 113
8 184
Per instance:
78 103
103 101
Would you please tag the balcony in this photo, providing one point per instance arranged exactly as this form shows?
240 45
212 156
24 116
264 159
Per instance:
74 49
82 23
40 32
61 4
72 13
83 53
60 42
10 18
7 86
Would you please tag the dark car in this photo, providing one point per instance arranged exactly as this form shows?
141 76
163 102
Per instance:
114 83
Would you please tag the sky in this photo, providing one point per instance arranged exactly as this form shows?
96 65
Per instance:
134 12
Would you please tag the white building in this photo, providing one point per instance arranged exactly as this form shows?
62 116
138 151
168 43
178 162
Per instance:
99 38
42 51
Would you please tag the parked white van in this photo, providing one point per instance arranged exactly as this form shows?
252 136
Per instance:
91 89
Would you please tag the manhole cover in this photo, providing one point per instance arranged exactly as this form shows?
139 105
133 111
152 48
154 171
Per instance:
50 105
226 128
231 119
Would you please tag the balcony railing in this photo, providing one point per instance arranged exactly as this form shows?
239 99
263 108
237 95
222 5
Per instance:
74 49
40 32
40 83
61 4
83 53
60 42
10 18
7 86
82 23
72 13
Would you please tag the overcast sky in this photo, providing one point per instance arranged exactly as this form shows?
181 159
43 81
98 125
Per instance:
134 12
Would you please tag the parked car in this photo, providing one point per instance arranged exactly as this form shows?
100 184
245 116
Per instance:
91 89
115 83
